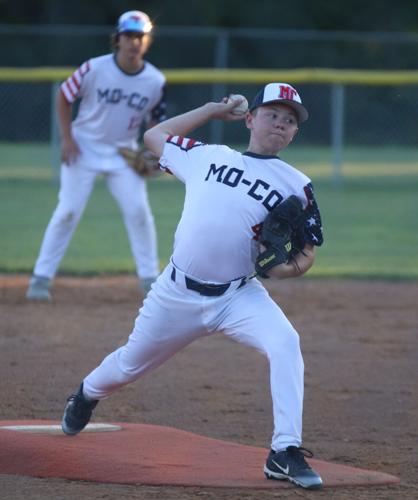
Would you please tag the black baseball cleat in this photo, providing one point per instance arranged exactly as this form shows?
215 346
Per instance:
77 413
290 464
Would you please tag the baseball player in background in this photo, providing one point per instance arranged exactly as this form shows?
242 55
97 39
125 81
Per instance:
209 284
119 92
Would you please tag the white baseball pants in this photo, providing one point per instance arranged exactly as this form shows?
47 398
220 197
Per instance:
173 316
129 191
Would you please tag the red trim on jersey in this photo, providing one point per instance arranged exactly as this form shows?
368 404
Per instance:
70 90
167 170
183 143
65 97
77 76
84 68
75 81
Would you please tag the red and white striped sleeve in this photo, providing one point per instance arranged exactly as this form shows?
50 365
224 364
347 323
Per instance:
72 85
184 143
181 156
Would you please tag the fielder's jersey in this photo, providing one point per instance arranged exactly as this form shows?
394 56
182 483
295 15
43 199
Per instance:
114 104
228 196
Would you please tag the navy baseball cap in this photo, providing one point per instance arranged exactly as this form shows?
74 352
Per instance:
281 93
134 21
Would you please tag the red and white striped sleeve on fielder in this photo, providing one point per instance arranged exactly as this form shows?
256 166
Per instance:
71 87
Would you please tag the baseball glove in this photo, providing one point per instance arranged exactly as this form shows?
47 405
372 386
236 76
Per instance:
141 160
282 235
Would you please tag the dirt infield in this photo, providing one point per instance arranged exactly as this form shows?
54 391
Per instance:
359 340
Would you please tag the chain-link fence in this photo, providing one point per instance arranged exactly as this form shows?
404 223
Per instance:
383 115
349 115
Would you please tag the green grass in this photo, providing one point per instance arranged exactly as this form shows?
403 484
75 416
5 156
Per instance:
370 227
100 244
370 221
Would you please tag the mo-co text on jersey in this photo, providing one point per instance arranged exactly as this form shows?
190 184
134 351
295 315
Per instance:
258 189
115 96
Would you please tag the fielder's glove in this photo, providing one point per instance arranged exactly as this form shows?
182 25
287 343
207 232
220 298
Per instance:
282 235
141 160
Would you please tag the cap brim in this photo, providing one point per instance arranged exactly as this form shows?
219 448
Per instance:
300 110
133 27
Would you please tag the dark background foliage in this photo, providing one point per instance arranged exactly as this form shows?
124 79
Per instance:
371 15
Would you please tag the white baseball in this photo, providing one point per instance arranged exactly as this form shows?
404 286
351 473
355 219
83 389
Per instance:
241 108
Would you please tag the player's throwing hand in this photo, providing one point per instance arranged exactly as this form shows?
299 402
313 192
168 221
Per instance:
224 110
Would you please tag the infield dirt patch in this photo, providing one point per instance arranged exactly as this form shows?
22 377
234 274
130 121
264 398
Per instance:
359 340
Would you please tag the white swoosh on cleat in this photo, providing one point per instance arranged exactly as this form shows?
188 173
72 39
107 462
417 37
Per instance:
284 470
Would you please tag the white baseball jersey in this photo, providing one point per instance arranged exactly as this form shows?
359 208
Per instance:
228 195
113 104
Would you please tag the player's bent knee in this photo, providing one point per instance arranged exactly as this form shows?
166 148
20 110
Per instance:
284 341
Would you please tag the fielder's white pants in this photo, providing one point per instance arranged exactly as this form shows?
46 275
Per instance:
173 316
129 191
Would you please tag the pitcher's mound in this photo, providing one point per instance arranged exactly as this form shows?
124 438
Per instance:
151 455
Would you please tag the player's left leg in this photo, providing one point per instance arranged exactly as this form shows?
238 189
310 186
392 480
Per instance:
130 192
253 318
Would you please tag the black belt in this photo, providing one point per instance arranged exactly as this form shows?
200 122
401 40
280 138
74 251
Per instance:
207 289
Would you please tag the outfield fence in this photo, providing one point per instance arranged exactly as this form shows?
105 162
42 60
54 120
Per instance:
348 108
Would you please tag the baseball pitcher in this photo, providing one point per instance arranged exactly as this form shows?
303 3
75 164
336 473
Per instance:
245 214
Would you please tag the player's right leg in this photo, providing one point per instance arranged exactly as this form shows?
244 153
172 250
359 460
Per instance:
169 319
76 185
130 192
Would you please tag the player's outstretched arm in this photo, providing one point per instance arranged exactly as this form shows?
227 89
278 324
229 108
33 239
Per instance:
299 264
156 137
